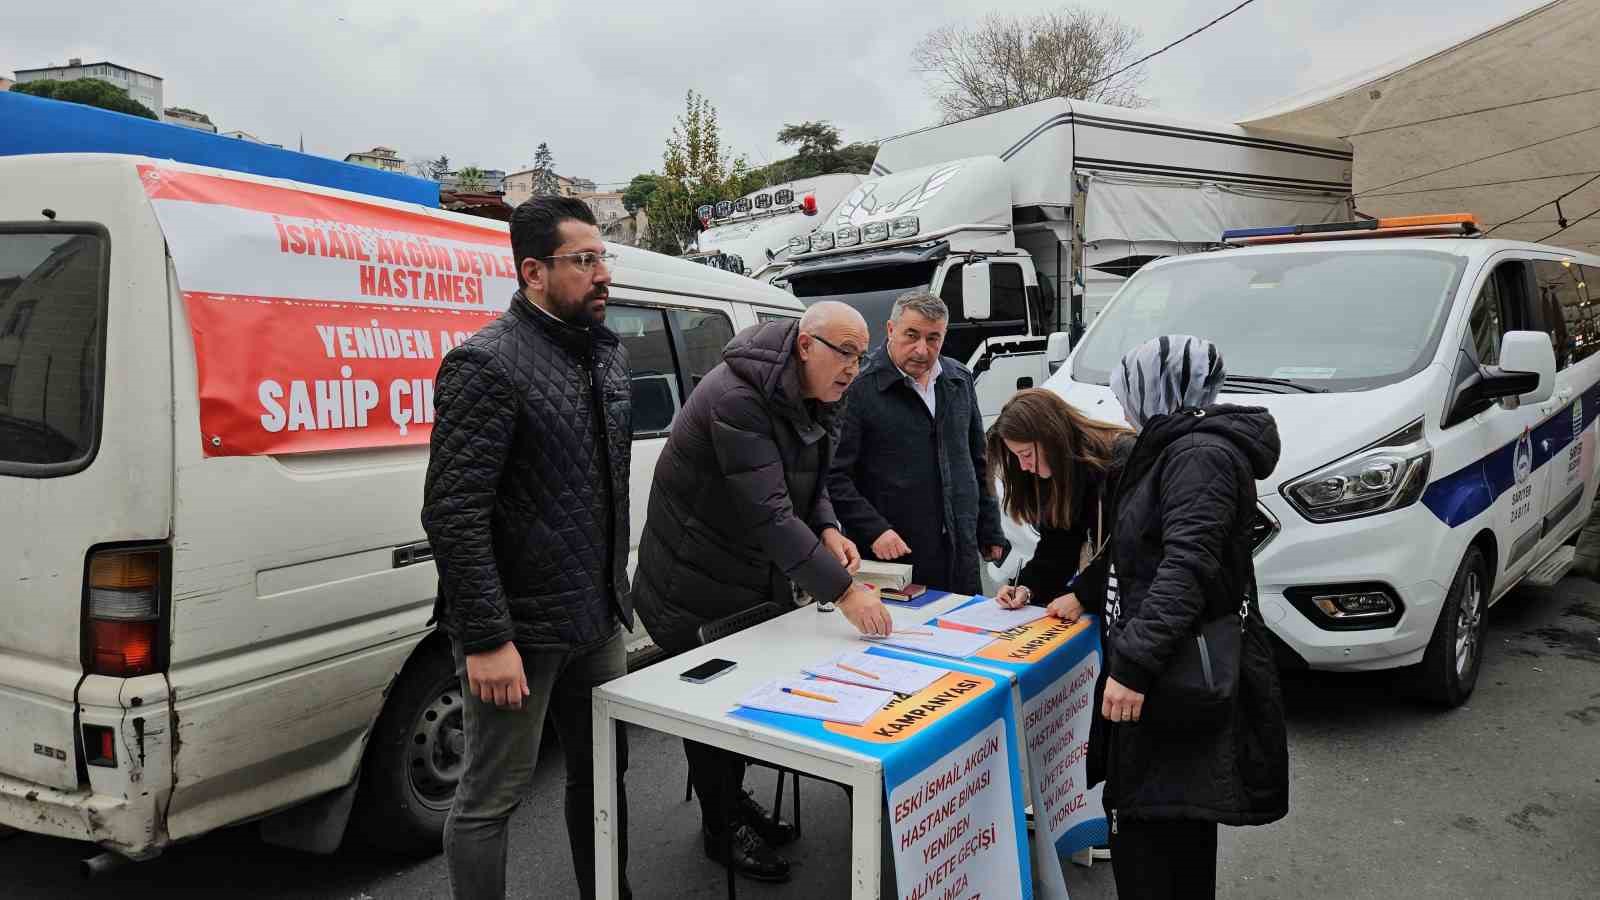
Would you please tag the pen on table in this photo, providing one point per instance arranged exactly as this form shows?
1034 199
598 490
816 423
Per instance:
862 672
969 629
810 696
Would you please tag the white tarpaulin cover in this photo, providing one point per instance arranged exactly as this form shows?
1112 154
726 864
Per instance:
1127 208
1499 125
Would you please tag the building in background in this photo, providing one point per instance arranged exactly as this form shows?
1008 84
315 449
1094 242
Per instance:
519 185
606 205
247 136
378 158
630 229
141 86
188 118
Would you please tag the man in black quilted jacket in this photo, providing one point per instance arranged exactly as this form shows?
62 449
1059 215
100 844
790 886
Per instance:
526 509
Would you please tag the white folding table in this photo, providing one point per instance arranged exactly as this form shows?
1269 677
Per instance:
656 698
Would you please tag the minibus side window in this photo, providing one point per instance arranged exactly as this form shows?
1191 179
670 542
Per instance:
651 366
700 336
52 307
1488 323
1564 311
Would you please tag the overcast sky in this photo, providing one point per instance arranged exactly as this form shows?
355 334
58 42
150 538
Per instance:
602 82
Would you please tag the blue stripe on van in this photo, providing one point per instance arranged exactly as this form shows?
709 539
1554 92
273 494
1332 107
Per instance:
1466 493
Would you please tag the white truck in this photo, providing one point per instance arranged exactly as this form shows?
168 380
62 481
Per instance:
1026 221
751 235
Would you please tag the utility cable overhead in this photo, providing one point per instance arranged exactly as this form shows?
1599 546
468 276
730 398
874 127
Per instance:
1568 225
1480 159
1484 184
1149 56
1556 201
1473 112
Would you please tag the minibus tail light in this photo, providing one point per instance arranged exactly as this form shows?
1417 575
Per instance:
126 598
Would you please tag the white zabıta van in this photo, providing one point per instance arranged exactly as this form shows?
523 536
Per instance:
1436 399
216 589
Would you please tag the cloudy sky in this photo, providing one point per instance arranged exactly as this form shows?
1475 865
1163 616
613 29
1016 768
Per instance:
602 82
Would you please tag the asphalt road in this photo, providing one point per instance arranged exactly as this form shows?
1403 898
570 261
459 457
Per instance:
1390 798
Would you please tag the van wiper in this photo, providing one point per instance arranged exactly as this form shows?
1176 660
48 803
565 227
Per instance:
1263 383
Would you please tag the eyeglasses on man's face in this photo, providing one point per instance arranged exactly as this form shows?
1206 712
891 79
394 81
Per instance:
851 357
585 260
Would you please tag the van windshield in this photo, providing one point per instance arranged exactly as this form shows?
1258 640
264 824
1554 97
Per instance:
1311 321
51 301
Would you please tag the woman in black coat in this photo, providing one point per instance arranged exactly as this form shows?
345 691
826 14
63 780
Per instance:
1180 556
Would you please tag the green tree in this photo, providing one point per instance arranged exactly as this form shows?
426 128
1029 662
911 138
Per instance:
637 195
820 154
440 167
470 178
545 183
696 170
814 138
89 92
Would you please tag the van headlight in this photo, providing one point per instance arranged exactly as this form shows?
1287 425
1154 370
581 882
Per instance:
1388 475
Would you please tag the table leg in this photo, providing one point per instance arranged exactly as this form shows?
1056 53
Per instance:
606 853
866 826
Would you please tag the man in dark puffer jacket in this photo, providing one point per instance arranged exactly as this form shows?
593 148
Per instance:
738 509
526 509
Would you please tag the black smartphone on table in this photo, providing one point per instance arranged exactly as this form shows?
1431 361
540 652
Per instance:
707 670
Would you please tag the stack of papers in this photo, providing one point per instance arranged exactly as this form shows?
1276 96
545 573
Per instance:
991 616
880 672
844 703
940 641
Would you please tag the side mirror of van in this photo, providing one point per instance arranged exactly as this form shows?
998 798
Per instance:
1056 350
1527 368
975 291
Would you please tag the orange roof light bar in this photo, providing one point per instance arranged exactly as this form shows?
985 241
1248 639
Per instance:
1454 224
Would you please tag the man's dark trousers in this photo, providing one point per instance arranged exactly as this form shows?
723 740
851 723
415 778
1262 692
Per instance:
502 750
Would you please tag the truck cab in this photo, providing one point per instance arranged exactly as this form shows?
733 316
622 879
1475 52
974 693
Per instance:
1026 221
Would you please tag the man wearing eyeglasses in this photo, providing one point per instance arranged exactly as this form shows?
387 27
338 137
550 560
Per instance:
738 512
910 481
526 509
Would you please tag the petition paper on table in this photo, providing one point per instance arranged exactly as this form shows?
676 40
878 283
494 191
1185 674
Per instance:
896 675
850 703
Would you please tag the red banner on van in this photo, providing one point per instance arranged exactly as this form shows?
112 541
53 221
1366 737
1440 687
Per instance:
319 320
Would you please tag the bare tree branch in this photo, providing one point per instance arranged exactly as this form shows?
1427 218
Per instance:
1007 61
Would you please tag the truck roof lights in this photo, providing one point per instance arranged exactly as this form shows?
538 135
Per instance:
1452 225
905 226
848 236
799 244
822 240
872 232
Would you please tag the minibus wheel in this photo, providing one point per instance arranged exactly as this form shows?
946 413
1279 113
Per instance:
1455 652
413 760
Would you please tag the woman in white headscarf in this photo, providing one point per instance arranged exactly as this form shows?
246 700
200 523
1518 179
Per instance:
1179 558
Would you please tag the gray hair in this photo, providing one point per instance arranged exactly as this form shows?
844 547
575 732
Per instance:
923 304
